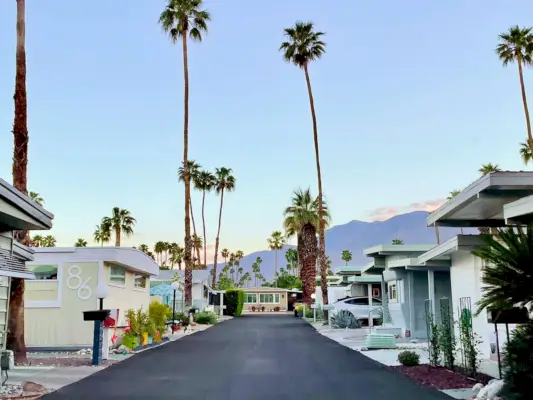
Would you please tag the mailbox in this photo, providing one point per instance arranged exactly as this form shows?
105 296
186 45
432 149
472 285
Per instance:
96 315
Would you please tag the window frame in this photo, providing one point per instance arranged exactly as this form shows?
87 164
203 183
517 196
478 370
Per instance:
250 302
274 297
111 275
136 277
31 266
393 291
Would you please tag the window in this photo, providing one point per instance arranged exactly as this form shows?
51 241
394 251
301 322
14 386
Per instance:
139 281
117 275
250 298
44 272
269 298
361 301
393 292
376 292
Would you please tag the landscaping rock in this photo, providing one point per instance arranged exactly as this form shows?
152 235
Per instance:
32 387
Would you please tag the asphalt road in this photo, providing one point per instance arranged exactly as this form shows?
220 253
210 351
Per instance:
249 358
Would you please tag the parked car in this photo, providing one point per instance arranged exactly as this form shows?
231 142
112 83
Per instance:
359 306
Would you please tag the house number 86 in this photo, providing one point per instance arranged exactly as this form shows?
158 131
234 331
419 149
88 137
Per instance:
75 282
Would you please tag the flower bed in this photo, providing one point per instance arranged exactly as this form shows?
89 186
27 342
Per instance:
440 378
147 346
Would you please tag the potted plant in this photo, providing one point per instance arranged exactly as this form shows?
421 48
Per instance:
253 308
262 308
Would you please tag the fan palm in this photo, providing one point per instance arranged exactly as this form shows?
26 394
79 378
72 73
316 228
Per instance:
291 255
508 274
516 45
525 153
49 241
80 243
197 244
225 254
302 220
225 182
36 197
183 19
204 181
276 241
194 169
346 256
121 222
488 168
303 46
176 255
102 233
36 241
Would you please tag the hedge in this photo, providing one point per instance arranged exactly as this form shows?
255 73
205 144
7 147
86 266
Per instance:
234 300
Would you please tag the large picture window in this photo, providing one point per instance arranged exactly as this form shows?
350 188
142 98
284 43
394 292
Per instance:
44 272
250 298
117 275
269 298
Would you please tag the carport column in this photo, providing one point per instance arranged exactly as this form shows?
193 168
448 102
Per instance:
221 312
370 307
431 290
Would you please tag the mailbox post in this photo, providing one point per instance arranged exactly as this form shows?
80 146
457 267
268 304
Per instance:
98 316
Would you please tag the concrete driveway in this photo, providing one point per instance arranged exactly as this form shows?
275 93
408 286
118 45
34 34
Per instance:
249 358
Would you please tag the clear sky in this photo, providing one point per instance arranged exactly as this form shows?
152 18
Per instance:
410 99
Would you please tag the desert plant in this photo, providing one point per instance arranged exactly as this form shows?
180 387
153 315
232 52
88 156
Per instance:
409 358
518 363
345 319
206 317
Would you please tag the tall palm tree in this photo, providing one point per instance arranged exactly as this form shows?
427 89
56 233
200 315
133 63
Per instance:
194 169
15 337
159 249
525 153
516 45
121 222
302 220
303 46
80 243
204 181
176 255
488 168
198 244
102 233
184 19
36 197
225 254
49 241
276 241
291 255
225 182
346 256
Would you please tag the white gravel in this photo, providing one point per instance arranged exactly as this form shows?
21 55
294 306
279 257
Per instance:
11 390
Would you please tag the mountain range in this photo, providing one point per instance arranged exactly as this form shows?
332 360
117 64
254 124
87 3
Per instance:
356 236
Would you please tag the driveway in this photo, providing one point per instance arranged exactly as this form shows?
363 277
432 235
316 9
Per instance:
249 358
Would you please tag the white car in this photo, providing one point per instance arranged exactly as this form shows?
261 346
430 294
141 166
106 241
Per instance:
359 306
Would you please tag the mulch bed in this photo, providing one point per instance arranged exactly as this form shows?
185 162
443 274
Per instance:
63 362
440 378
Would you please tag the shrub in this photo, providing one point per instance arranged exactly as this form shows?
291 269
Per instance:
206 317
183 318
158 314
345 319
129 341
234 299
409 358
518 362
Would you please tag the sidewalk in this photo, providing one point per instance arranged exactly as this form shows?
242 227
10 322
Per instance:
50 377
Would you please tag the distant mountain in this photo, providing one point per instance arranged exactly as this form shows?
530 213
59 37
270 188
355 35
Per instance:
357 236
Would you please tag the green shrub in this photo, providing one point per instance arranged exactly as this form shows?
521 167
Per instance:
183 318
206 317
234 299
158 315
130 341
409 358
518 363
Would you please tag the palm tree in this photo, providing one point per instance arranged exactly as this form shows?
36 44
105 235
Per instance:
276 241
302 220
397 241
225 182
225 254
291 255
102 233
144 248
204 181
303 46
48 241
36 241
507 278
194 169
182 19
488 168
121 222
197 244
176 256
15 337
36 197
516 45
80 243
159 249
346 256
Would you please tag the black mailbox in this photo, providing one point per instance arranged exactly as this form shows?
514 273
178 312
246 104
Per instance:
96 315
515 315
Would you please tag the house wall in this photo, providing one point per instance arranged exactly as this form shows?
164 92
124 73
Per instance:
54 308
282 304
399 309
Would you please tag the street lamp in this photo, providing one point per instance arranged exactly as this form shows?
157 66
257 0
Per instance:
102 291
174 286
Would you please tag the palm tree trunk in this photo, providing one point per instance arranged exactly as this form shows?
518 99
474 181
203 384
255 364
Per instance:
309 253
276 267
203 223
526 110
117 237
197 248
187 178
321 227
15 338
217 241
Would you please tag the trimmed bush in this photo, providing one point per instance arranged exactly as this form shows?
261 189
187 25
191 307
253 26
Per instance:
234 300
409 358
206 318
518 363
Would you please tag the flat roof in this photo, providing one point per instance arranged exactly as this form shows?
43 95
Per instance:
481 203
127 257
519 211
373 268
347 269
365 279
443 251
391 249
198 275
18 211
269 289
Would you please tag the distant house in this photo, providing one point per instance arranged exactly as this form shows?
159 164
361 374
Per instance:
160 288
270 299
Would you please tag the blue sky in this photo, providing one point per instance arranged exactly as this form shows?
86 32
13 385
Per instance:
410 99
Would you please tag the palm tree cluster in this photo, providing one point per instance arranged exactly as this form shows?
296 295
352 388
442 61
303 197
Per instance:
232 274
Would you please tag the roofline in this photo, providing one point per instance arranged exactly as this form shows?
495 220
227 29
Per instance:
389 249
457 243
